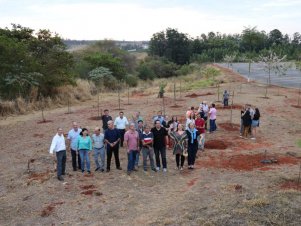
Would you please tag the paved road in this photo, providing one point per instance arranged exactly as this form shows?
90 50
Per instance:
291 79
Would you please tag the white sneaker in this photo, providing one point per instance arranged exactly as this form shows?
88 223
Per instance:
158 168
164 170
253 138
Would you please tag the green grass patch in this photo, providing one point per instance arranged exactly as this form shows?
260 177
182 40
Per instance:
197 84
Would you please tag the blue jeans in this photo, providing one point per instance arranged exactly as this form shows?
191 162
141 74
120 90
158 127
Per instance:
137 158
212 125
131 159
84 157
226 101
61 162
148 152
99 152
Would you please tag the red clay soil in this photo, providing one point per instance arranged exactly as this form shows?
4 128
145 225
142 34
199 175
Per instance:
44 121
87 187
291 185
234 106
199 95
95 118
176 106
229 126
139 94
38 135
88 192
217 144
192 182
41 177
243 162
296 106
48 210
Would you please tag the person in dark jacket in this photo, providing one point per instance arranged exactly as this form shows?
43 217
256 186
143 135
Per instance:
192 135
247 122
255 123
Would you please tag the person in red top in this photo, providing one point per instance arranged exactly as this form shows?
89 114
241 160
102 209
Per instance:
200 126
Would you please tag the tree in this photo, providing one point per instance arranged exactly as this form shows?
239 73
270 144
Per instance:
102 76
275 37
173 45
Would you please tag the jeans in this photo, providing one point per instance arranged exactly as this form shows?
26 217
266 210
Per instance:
212 125
131 160
201 141
241 127
160 151
178 156
121 133
192 150
206 119
110 151
61 162
99 152
73 155
226 102
137 158
150 153
84 156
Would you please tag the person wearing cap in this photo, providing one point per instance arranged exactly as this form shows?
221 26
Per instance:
58 146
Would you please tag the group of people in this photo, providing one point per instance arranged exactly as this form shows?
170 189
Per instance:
141 138
249 122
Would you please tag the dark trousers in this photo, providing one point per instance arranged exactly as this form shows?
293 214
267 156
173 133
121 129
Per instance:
61 162
121 132
131 160
226 102
110 151
192 150
178 156
74 164
206 119
212 125
160 151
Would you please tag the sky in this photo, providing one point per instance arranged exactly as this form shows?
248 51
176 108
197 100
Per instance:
139 20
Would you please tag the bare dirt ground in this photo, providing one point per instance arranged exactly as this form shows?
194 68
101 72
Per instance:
230 186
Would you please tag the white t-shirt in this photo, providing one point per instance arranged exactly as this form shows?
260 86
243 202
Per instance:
212 113
121 123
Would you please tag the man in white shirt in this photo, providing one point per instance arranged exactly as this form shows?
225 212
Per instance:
58 146
121 123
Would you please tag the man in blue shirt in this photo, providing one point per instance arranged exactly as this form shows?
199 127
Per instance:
72 137
112 138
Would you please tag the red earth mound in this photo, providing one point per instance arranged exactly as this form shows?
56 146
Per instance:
296 106
38 135
176 106
199 95
87 187
88 192
44 121
242 162
217 144
234 106
291 185
48 210
229 126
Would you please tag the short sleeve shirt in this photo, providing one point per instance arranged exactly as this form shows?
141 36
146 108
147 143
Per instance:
159 137
98 140
73 137
132 139
212 113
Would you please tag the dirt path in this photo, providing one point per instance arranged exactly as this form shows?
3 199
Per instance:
228 187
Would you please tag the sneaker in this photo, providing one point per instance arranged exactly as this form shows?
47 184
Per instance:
83 171
158 168
89 172
129 173
154 169
102 170
135 169
60 178
119 168
177 168
97 169
164 170
253 138
181 168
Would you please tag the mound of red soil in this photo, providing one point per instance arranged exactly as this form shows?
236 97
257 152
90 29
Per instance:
229 126
87 187
199 95
216 144
234 106
44 121
242 162
48 210
38 135
95 118
88 192
296 106
176 106
291 185
39 177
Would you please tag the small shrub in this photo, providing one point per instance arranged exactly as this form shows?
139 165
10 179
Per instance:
131 80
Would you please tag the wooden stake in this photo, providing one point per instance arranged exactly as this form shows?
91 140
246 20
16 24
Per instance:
231 107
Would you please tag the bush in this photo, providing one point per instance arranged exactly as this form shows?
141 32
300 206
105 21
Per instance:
145 72
131 80
185 70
